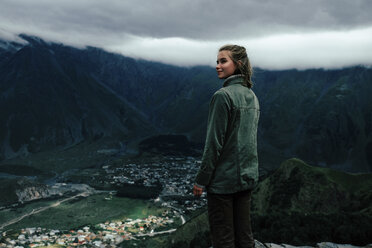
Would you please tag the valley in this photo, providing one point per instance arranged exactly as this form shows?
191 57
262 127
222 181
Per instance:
95 199
147 201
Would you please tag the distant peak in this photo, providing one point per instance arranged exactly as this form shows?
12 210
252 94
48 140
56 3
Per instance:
33 40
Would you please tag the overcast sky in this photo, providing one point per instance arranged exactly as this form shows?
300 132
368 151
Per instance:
278 34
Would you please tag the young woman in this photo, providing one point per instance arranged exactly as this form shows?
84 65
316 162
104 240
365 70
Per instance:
229 168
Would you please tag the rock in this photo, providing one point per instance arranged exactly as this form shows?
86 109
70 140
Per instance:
272 245
319 245
333 245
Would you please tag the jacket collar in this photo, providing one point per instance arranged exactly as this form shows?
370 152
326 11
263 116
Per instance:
234 79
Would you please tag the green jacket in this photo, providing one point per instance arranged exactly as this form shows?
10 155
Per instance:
230 162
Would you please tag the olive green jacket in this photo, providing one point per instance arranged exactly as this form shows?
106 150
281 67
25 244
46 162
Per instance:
230 162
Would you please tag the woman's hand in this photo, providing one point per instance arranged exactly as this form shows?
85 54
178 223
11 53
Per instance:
198 191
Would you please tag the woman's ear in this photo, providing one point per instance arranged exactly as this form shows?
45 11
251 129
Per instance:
240 63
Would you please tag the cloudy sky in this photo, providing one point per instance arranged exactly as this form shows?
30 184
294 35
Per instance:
278 34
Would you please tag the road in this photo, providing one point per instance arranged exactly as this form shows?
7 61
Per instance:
179 212
154 233
167 231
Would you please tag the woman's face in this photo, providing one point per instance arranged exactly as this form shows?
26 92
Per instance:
225 66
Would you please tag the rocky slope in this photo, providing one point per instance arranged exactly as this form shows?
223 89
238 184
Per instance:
23 190
300 205
298 187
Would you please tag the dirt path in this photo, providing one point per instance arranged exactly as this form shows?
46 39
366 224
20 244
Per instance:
36 211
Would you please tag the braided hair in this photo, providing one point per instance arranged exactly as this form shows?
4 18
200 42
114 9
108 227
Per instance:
240 58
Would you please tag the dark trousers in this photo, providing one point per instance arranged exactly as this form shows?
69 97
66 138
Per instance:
229 220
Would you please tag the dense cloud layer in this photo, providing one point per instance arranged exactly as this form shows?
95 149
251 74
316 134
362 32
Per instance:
168 31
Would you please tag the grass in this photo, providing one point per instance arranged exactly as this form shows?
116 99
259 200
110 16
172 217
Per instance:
79 156
12 213
19 170
349 181
195 233
296 186
82 211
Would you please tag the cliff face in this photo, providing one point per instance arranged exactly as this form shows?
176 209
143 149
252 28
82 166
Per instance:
27 191
20 190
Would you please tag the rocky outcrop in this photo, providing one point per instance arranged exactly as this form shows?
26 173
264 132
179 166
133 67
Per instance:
319 245
298 187
28 191
300 205
24 190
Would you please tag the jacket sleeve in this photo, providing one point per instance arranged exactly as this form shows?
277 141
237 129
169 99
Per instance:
218 117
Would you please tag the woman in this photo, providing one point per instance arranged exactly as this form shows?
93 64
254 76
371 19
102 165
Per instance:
229 168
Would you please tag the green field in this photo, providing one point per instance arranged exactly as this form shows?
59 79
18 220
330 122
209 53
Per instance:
80 211
50 162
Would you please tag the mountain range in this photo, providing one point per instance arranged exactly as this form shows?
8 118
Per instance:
55 97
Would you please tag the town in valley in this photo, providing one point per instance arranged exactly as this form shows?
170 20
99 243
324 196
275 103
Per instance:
172 177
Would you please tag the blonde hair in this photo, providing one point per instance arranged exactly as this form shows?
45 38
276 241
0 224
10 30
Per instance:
240 58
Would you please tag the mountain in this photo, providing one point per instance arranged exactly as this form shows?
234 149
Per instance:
48 101
77 101
174 99
69 96
299 204
297 187
321 116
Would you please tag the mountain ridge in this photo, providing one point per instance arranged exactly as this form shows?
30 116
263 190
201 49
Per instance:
295 183
68 96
